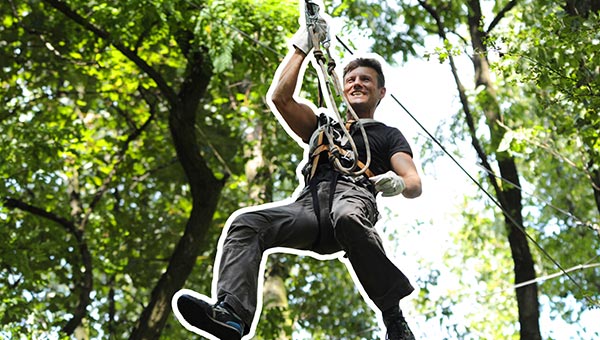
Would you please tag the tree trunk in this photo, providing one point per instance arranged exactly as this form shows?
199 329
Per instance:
275 297
596 187
527 296
509 196
259 173
205 190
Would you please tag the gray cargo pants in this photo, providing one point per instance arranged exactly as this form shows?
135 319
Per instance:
349 227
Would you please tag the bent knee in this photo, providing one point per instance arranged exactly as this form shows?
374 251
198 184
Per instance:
242 226
351 224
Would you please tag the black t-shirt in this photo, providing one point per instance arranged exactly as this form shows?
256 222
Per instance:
384 141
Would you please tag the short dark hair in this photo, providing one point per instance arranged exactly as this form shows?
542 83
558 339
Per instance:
366 62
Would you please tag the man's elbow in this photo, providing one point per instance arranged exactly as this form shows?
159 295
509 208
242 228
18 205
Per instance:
412 193
280 100
413 190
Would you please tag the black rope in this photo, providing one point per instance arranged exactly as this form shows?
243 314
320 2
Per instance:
578 221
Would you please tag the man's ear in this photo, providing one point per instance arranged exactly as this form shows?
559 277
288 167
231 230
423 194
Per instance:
382 91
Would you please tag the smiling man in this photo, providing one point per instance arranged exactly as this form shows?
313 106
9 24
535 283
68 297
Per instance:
363 86
334 213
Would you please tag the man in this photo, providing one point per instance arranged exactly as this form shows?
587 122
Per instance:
334 212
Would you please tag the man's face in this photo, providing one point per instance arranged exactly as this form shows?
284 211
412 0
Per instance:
362 91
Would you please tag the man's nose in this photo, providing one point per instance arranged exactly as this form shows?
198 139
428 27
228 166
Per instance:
357 84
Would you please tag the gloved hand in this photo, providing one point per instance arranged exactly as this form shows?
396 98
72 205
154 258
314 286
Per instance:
302 40
390 184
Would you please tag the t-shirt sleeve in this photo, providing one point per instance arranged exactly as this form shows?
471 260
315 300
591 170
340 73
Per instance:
398 143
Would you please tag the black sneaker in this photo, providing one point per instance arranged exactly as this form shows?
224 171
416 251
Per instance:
397 328
217 319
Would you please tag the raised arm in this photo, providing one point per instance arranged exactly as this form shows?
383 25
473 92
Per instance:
299 116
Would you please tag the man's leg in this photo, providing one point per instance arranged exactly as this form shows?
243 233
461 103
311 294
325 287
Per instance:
354 214
248 236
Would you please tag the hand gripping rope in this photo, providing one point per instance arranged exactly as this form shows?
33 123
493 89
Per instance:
331 80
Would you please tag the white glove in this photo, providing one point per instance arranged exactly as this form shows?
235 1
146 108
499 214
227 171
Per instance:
302 40
390 184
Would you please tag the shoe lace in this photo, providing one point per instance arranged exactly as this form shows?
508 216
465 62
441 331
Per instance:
234 320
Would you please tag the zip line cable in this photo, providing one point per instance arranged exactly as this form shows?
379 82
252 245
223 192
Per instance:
592 226
557 274
477 295
457 163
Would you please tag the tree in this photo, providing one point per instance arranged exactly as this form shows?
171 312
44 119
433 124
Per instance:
122 124
556 63
102 93
125 135
508 197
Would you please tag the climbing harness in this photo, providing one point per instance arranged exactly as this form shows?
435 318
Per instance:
318 147
331 84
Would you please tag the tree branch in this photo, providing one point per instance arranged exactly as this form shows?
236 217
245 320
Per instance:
434 14
166 90
463 100
86 284
501 15
13 203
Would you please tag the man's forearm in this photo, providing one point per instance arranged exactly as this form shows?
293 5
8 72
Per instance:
299 116
288 78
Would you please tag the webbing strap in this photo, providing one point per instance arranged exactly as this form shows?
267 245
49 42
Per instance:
316 154
314 192
322 206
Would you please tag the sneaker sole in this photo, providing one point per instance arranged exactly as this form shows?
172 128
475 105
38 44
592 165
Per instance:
198 313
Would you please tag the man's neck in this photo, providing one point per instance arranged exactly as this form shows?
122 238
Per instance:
364 115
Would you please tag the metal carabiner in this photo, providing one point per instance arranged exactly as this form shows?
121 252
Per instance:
311 11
